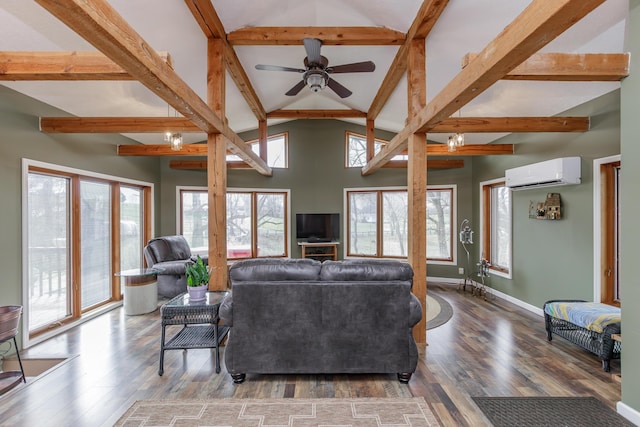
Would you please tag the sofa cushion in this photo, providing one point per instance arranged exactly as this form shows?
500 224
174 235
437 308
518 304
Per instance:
366 270
169 248
275 269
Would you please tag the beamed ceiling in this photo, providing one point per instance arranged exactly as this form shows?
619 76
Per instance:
492 67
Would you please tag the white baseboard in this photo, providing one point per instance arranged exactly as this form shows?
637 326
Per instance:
629 413
519 303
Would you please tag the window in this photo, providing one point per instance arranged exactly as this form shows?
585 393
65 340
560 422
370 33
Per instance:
277 151
356 150
439 220
378 223
80 228
257 224
496 226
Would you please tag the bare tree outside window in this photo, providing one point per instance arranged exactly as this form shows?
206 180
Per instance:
356 152
363 219
271 224
247 211
394 223
439 203
378 223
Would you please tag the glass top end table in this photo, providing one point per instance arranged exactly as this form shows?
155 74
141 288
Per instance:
199 321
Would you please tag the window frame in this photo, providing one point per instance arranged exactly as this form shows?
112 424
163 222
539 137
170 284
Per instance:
254 192
486 232
452 188
605 233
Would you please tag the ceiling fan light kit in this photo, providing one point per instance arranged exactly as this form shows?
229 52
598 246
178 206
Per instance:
316 71
316 80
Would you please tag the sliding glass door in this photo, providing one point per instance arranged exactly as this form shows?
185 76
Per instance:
131 226
48 272
95 242
80 229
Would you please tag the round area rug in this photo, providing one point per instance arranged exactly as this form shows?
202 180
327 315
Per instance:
439 311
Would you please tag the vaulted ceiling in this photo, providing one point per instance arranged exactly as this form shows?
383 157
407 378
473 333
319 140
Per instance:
271 32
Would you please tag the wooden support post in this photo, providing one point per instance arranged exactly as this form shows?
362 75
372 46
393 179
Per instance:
417 184
371 139
217 169
262 139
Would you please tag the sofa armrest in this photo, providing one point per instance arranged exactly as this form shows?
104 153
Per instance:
226 310
172 267
415 311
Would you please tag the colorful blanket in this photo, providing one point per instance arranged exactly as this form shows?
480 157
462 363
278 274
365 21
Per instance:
590 315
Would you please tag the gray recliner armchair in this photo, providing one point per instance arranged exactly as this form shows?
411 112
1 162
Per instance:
170 255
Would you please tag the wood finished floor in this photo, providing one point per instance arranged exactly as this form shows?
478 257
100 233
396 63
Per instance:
488 348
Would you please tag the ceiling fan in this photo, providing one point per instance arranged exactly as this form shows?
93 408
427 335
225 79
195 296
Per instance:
315 73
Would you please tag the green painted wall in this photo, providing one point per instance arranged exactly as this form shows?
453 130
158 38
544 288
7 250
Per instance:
554 259
629 214
21 138
316 176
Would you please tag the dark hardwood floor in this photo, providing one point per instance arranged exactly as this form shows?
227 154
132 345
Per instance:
488 348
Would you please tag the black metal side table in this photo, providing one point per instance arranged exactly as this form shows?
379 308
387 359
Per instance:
199 321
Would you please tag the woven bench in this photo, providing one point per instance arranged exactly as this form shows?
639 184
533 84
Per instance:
586 324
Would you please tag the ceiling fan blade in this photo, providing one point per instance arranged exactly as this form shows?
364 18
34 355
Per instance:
296 89
342 91
357 67
278 68
312 46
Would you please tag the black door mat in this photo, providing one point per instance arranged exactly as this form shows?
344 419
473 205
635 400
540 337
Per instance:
549 411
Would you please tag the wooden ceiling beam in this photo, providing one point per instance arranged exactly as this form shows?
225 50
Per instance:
72 65
431 164
180 124
161 150
569 67
345 36
100 24
537 25
512 124
316 114
206 16
116 124
470 150
424 21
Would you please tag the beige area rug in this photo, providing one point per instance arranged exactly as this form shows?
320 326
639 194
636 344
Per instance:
439 311
391 412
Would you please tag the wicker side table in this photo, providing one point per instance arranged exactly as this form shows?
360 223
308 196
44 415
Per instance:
199 325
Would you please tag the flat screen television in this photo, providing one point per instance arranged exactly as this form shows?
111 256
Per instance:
316 227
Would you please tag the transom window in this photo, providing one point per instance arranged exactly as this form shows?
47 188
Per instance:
356 150
257 224
378 223
277 151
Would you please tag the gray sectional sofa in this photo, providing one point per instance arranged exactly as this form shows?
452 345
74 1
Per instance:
300 316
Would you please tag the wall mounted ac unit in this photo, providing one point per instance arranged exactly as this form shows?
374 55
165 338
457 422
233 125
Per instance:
561 171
